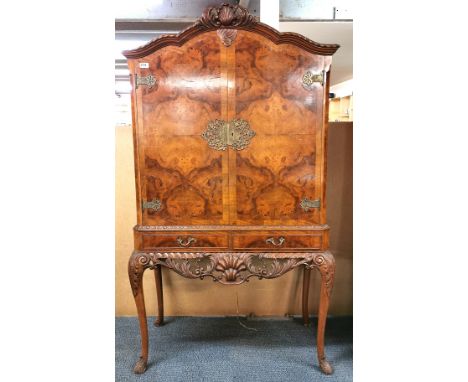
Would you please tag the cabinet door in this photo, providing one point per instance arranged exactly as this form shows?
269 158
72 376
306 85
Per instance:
178 175
281 166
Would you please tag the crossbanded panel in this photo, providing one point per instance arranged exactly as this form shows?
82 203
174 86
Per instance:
279 168
176 167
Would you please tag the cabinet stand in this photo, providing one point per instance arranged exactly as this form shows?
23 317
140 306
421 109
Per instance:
231 268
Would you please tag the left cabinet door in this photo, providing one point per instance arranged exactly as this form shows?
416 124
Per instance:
179 180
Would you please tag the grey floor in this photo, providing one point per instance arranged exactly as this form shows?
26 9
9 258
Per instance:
222 350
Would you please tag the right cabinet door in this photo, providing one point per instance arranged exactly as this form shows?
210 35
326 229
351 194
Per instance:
276 178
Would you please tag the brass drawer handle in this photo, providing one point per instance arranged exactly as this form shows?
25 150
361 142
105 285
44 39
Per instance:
186 243
272 240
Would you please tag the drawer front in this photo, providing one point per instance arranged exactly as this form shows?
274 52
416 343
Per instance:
275 241
185 240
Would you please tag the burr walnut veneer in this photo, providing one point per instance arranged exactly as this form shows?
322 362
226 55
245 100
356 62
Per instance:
230 130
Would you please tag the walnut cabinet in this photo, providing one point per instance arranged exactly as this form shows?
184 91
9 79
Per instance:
230 131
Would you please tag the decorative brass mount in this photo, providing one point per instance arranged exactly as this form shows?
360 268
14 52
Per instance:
148 80
307 204
272 240
220 134
154 204
308 79
187 242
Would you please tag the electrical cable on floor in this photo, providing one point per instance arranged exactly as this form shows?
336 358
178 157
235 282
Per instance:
238 315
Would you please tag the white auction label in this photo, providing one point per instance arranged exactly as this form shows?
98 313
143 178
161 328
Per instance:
144 65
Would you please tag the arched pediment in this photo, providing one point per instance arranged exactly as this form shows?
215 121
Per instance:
226 19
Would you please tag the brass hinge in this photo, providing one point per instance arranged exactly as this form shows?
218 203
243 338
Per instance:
154 204
220 134
307 204
148 80
308 79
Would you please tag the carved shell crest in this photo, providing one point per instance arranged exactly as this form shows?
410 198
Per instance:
226 15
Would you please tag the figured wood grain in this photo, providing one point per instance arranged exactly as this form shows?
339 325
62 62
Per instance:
189 240
260 241
230 214
278 169
175 166
254 80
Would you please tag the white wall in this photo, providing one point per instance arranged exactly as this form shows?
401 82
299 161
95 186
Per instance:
329 33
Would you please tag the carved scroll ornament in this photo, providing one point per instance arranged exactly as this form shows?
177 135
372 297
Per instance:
226 15
229 17
227 36
230 267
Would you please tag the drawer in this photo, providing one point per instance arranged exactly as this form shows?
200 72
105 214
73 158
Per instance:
276 241
185 240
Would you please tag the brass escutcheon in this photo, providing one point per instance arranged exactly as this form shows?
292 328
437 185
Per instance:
220 134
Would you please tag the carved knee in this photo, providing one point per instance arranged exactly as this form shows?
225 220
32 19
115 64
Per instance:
137 264
325 262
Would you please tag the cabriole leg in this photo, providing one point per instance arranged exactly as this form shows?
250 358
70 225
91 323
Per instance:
136 266
326 265
305 296
159 292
